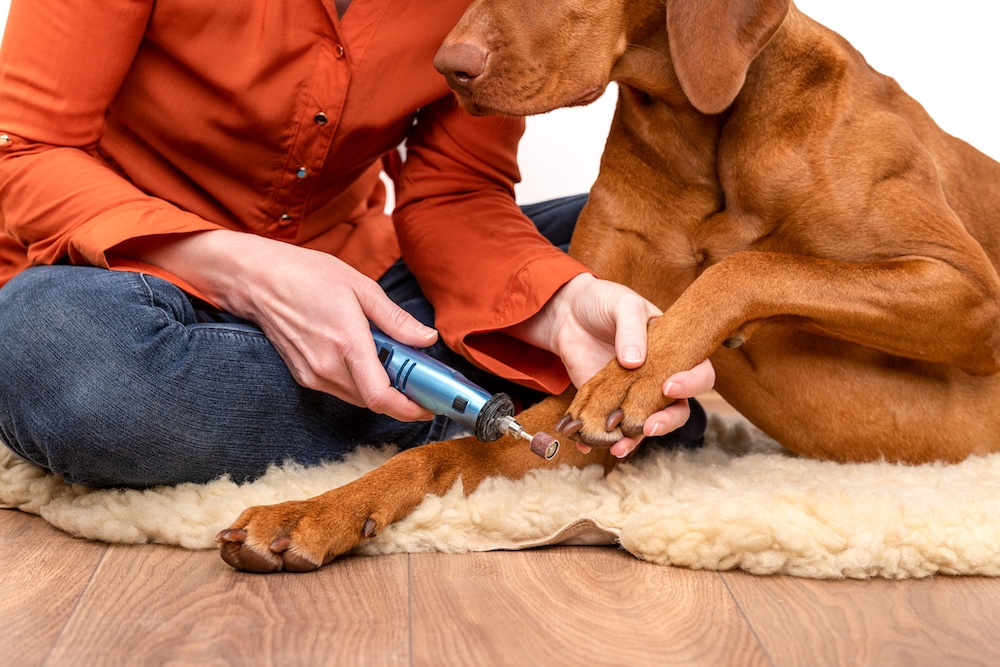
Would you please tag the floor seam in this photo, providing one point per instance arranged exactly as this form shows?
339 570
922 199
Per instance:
409 605
746 620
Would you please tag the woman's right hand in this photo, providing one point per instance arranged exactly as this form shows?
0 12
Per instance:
313 308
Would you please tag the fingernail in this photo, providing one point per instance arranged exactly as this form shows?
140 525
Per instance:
631 355
671 389
659 428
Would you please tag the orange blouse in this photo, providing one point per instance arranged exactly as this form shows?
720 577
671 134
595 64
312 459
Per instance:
122 119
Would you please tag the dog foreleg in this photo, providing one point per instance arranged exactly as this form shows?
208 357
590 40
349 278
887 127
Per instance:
300 536
917 308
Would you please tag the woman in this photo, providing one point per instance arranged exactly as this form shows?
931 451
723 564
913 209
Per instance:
223 159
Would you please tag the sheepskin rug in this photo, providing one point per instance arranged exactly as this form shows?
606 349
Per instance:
739 502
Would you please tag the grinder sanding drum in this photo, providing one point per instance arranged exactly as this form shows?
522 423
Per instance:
544 445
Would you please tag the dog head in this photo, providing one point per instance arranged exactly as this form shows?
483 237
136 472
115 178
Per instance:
523 57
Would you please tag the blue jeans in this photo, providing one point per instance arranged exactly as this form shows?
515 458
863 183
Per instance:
118 379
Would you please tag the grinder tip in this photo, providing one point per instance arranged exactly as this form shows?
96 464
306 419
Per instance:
544 445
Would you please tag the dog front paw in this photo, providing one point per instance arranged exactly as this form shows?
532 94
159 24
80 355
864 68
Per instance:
612 405
294 536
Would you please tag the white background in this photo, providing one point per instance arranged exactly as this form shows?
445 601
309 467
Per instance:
945 55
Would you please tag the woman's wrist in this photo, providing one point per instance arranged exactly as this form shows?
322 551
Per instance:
542 329
218 263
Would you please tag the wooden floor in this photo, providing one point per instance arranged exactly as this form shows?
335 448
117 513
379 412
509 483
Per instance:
65 601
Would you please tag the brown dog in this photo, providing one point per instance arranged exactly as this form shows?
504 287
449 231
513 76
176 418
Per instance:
797 216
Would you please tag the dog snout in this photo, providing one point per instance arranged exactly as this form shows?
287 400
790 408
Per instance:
461 64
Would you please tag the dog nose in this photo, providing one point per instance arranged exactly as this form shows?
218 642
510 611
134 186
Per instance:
461 64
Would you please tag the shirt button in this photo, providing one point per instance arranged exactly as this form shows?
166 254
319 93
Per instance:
321 118
284 219
302 172
4 140
338 50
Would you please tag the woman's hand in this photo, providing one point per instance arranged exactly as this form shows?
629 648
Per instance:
587 323
313 308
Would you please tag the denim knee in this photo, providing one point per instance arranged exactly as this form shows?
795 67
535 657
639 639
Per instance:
114 379
65 382
102 381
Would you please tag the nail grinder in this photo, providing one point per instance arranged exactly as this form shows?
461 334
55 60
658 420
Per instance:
444 391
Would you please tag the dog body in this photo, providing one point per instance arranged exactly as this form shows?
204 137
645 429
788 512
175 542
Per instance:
826 215
800 220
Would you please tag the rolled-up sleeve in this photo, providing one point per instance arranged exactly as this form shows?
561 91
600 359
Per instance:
477 257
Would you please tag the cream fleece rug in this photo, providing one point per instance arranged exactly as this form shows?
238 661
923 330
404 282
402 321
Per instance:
740 502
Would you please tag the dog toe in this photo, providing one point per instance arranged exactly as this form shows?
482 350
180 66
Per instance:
261 540
574 429
631 429
294 536
243 557
281 556
604 411
597 438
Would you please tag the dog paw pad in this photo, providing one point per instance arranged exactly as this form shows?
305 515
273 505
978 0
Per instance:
294 563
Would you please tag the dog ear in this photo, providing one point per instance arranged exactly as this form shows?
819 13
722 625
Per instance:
713 42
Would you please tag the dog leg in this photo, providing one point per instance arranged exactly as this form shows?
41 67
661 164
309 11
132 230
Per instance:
300 536
906 308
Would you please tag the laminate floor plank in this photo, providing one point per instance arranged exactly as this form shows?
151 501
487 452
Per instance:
157 605
43 573
910 623
65 601
572 606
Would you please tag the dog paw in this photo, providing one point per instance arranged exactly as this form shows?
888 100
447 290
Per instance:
612 405
294 536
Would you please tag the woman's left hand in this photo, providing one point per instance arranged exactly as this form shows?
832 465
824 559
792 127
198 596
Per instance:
587 322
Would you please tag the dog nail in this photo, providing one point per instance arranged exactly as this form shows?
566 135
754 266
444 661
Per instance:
231 535
370 528
281 544
734 342
614 419
561 424
571 427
